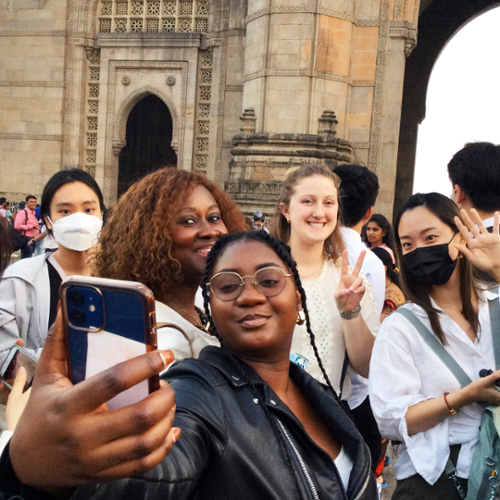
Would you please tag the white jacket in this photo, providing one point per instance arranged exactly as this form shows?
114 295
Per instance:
25 304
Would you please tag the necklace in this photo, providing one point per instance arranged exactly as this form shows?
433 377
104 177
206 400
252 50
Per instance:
312 274
197 320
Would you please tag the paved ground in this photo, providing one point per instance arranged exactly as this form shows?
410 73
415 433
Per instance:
389 475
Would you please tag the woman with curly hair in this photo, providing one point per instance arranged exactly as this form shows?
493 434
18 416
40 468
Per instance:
159 234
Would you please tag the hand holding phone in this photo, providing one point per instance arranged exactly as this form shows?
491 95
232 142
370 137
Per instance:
18 357
67 438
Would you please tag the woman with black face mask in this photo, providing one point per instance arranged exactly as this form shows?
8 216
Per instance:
415 397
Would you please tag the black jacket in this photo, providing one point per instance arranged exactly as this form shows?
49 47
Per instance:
230 448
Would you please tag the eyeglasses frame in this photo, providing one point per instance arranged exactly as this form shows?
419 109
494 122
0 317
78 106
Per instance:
209 284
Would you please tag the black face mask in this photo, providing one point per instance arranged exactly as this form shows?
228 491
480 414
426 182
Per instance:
431 265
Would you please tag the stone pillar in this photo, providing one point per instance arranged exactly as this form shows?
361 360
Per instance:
397 37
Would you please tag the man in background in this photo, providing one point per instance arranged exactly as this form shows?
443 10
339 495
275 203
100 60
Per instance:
258 220
474 173
27 223
357 195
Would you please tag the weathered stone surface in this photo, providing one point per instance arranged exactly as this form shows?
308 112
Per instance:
71 72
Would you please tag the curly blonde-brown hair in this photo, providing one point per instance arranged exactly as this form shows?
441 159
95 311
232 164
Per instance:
136 241
280 228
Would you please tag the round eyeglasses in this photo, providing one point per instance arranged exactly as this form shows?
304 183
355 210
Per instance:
228 285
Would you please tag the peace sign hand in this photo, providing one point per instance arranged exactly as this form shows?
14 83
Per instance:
481 248
350 289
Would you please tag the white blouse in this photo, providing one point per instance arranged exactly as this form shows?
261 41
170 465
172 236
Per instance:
187 343
326 325
405 371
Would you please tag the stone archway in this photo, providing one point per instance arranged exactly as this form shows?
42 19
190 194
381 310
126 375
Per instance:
439 20
148 141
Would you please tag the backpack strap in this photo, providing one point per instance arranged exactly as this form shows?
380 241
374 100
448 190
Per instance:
25 222
494 306
431 340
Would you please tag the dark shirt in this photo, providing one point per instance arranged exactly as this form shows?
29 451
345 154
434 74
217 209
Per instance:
55 282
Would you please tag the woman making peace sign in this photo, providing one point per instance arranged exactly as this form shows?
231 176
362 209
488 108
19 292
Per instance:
307 219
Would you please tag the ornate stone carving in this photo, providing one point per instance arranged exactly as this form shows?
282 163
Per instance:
327 124
153 16
170 81
379 86
31 137
260 163
126 80
93 54
118 146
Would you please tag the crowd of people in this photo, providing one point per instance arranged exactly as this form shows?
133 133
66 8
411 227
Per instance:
289 354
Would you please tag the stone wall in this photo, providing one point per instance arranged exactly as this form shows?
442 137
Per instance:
72 71
32 44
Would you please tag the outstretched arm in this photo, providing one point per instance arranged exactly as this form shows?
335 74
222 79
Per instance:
67 437
481 248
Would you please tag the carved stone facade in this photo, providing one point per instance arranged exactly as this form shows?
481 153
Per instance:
253 87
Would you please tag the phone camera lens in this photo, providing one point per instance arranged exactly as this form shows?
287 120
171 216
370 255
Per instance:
77 317
76 298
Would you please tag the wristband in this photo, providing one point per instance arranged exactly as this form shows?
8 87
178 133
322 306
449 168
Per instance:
450 409
350 314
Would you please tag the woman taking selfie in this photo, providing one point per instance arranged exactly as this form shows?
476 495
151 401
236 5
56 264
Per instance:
415 397
254 426
307 219
72 208
159 234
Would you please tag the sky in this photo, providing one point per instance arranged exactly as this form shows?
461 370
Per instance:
463 101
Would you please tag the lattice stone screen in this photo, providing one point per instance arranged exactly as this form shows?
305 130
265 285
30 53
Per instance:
92 110
153 16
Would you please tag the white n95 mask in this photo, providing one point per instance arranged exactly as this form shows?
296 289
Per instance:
77 231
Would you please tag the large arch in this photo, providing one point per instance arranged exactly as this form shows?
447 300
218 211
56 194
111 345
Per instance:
148 145
438 21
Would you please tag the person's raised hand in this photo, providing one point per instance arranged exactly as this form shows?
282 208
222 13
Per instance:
350 289
67 437
481 247
17 399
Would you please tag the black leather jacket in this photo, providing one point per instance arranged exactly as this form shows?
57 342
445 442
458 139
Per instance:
230 448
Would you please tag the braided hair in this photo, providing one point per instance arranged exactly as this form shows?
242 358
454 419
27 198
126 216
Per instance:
282 250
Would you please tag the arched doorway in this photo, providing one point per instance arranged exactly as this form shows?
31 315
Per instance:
148 142
439 20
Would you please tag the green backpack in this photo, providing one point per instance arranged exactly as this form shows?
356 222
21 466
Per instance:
484 475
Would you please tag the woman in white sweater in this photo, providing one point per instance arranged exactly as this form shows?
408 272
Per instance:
307 219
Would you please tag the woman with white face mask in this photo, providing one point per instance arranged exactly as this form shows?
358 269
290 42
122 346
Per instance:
72 208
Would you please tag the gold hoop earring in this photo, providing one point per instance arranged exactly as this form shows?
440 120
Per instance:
301 318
